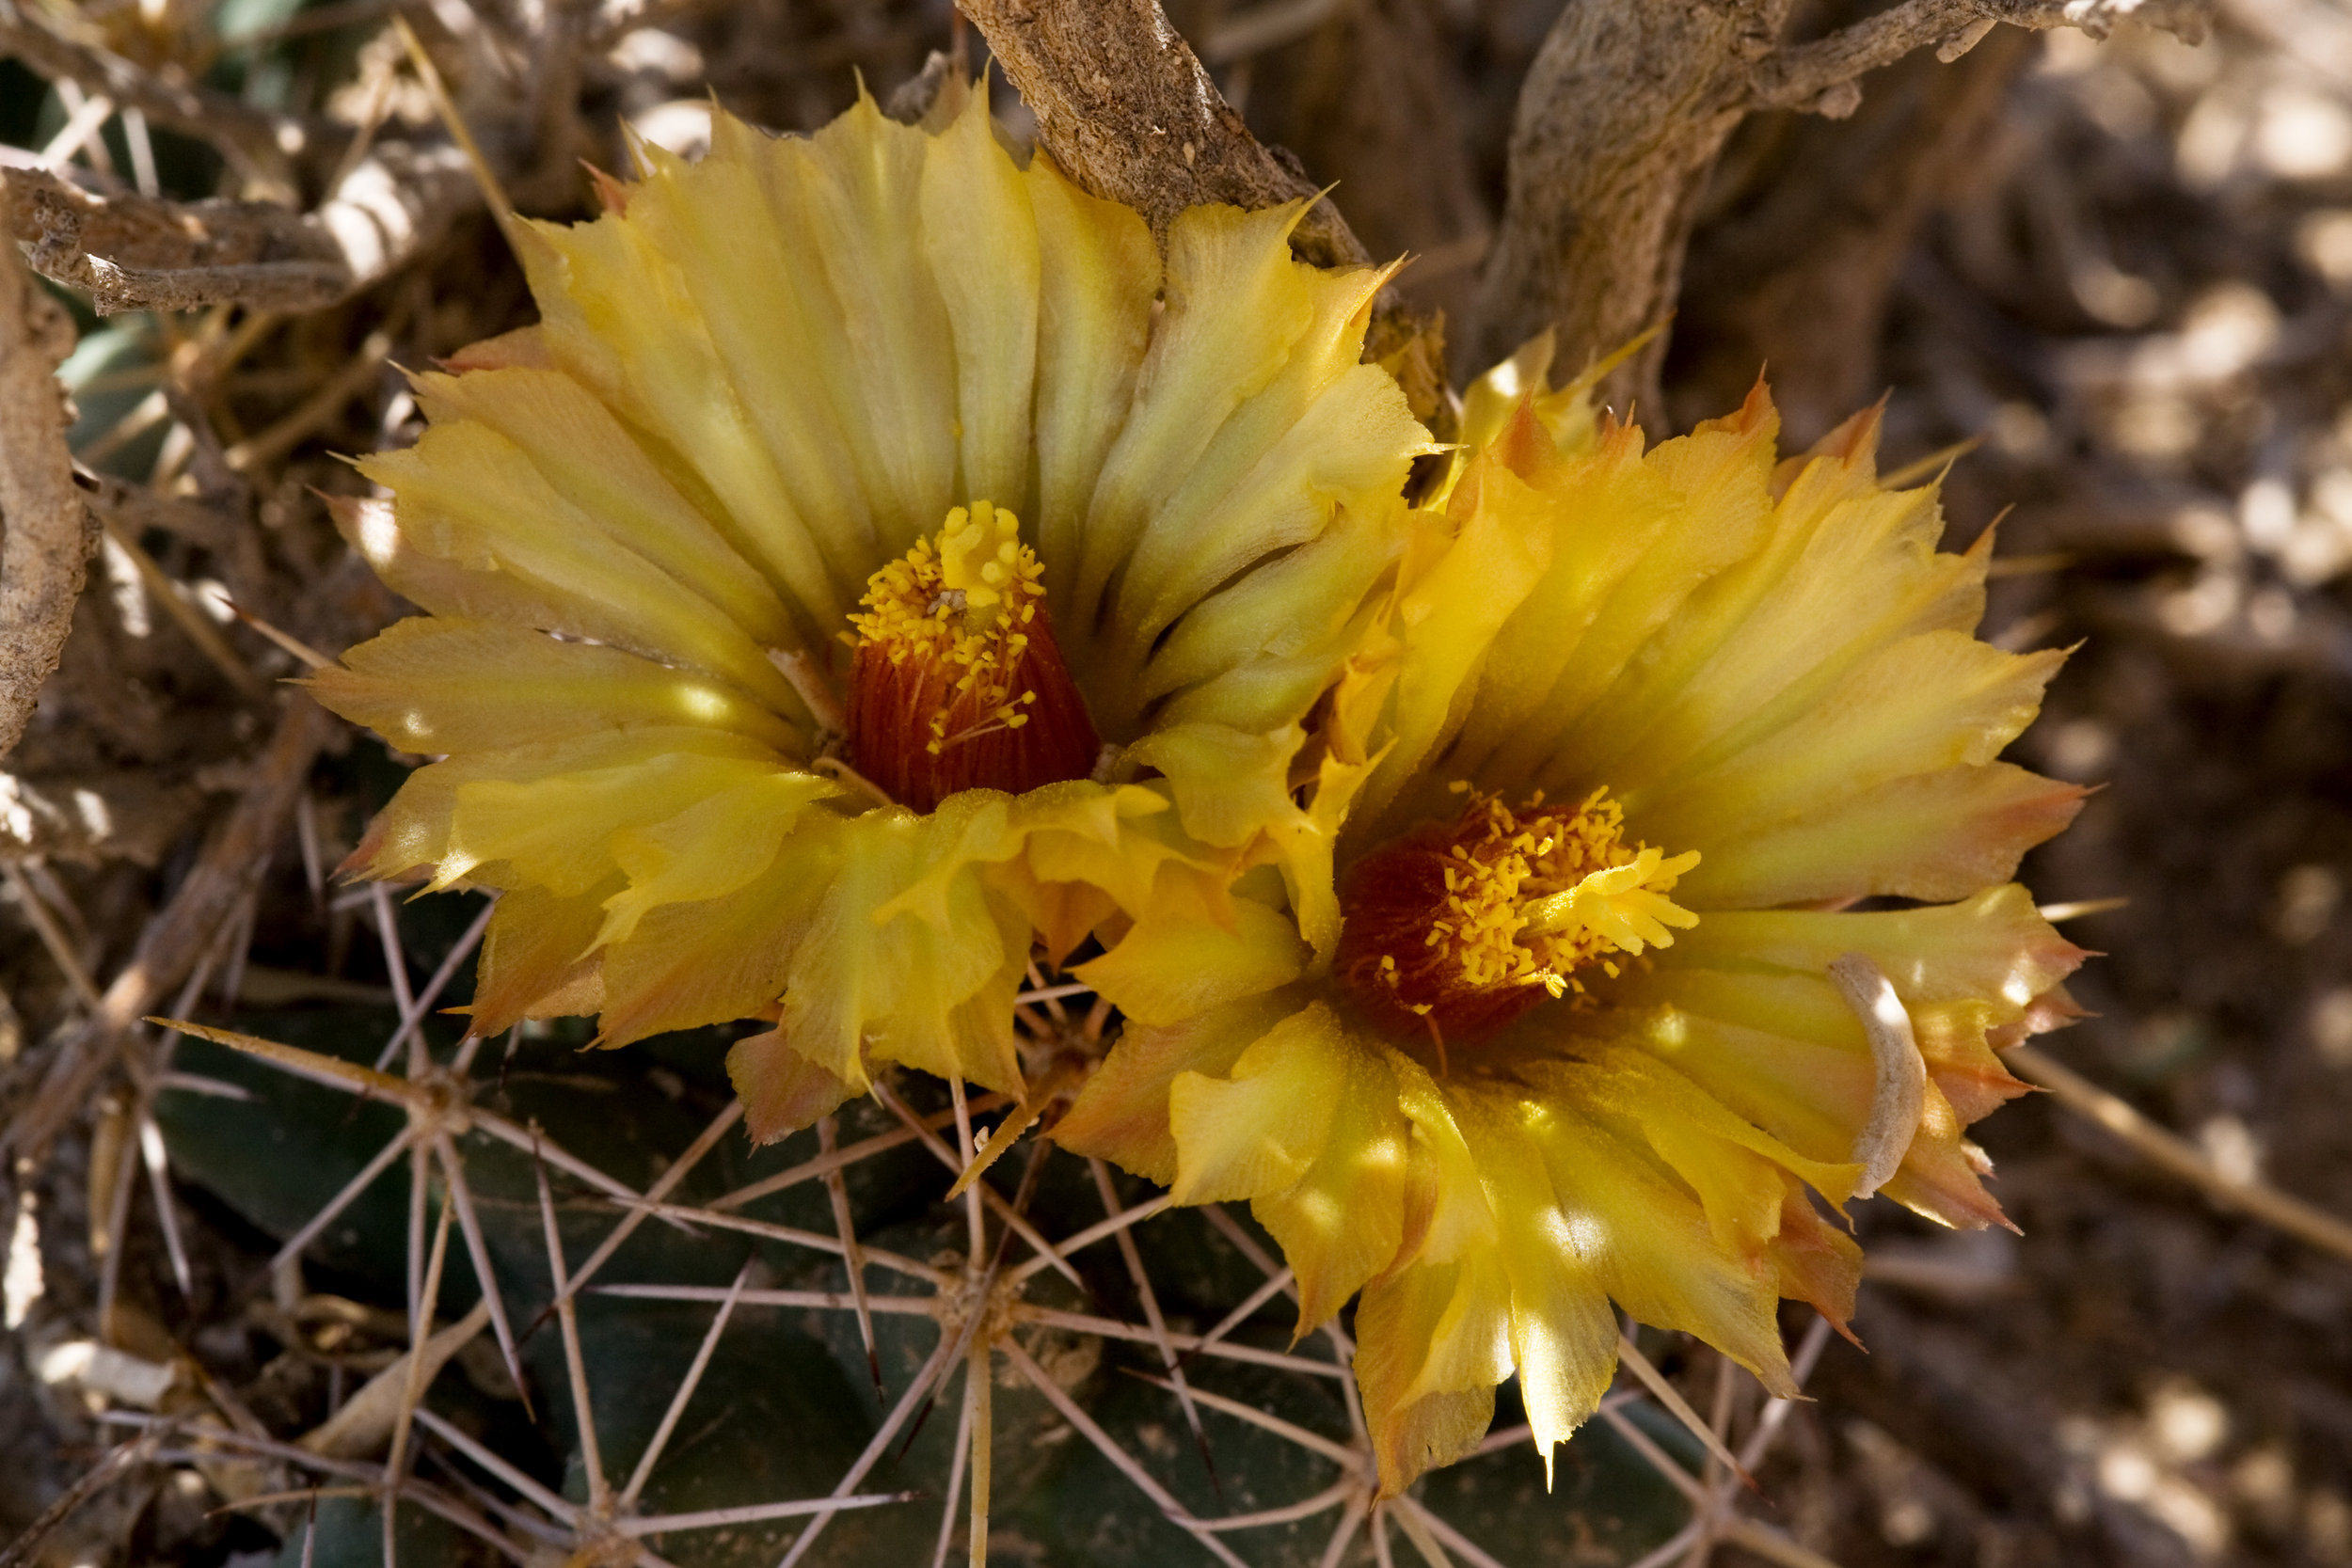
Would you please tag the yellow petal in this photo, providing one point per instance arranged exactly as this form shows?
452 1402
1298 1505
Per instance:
1122 1115
1723 1157
1938 700
1450 609
1818 1263
1449 1217
1780 1049
447 588
707 850
1995 946
1257 653
560 832
536 959
419 828
981 239
1932 836
622 317
1327 429
1636 539
1235 790
901 980
1341 1223
860 180
1831 587
1086 853
781 1090
1942 1177
1234 305
1099 273
466 493
1564 1336
441 684
1428 1375
685 965
1655 1251
595 464
746 255
1740 1007
1256 1131
1180 959
1308 1127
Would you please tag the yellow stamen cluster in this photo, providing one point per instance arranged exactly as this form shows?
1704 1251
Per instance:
962 602
1528 902
1457 925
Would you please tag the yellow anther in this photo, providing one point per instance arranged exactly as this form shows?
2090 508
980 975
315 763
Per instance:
1506 904
946 601
956 682
982 557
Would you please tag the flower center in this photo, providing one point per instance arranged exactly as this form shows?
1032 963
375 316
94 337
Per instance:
957 683
1455 929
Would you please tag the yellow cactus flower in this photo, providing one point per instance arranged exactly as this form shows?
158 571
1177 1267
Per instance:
1597 1012
806 592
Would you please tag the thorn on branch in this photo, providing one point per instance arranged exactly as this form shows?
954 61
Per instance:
1952 48
1838 102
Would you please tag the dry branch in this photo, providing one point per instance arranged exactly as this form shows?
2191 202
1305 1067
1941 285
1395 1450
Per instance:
45 530
1125 108
1123 105
1620 120
1799 77
1796 260
137 253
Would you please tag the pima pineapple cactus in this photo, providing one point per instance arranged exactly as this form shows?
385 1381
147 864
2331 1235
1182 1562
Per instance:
1004 714
786 1403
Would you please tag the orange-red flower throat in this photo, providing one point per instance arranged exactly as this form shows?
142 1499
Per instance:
958 682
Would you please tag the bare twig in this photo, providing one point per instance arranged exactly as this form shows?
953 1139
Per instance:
365 1423
1150 1299
878 1444
47 532
216 649
678 1401
1174 1511
1774 1546
1619 123
1800 77
837 1193
53 937
1678 1407
135 253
